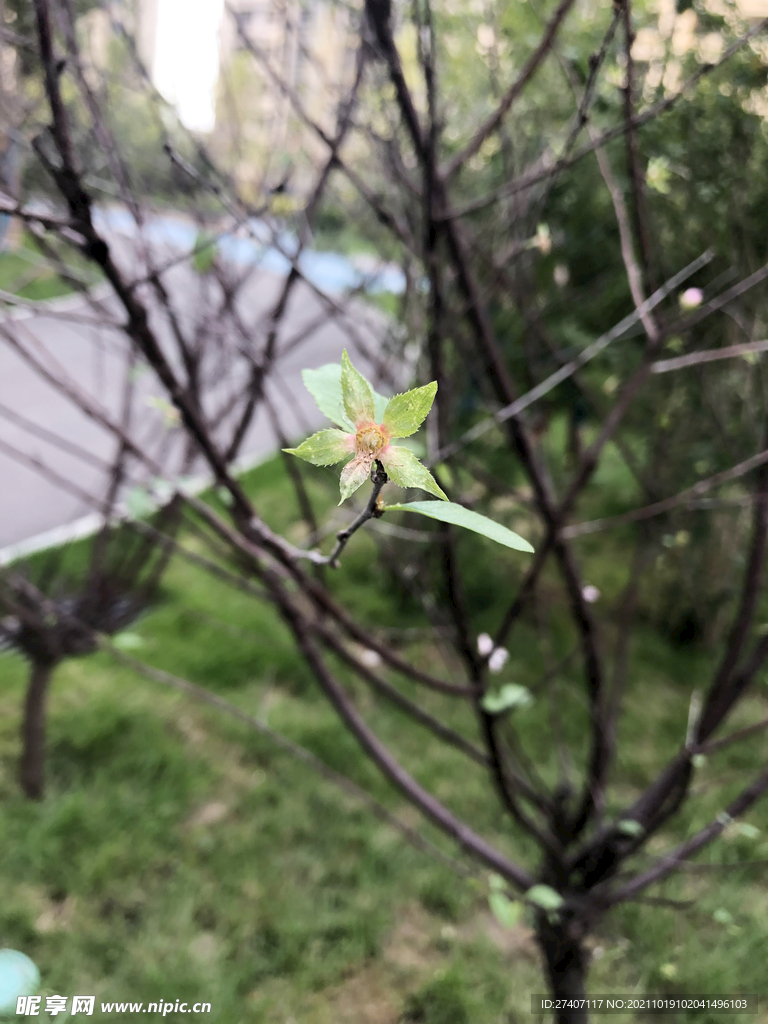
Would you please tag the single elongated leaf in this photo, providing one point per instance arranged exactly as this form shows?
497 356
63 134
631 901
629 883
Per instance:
510 696
325 448
506 911
324 384
457 515
405 413
545 896
405 470
356 392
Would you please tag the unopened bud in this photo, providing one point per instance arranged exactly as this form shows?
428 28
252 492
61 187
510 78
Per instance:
691 298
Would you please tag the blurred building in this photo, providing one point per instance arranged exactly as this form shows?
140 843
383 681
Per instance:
178 45
308 46
147 14
306 43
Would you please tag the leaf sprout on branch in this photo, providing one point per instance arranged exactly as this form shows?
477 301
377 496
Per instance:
367 423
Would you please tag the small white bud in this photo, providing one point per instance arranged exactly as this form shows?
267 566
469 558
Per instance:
590 594
561 275
543 239
498 655
498 659
691 298
370 658
484 644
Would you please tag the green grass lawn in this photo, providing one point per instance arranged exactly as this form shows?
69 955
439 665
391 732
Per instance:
179 855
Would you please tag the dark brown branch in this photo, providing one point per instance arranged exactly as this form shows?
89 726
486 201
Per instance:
390 693
636 176
382 758
32 764
371 511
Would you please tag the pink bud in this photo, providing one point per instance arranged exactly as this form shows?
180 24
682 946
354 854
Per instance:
691 298
484 644
498 659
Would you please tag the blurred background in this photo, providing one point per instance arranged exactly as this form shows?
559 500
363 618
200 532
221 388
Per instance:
249 166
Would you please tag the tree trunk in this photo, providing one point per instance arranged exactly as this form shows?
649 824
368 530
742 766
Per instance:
32 768
566 961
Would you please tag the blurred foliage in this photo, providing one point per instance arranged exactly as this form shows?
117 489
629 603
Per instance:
20 14
703 189
138 119
274 919
26 271
206 252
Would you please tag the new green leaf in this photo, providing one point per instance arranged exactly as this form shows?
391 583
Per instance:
140 503
324 384
545 896
457 515
325 448
127 641
356 392
630 827
354 475
405 413
405 470
506 911
743 828
510 696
